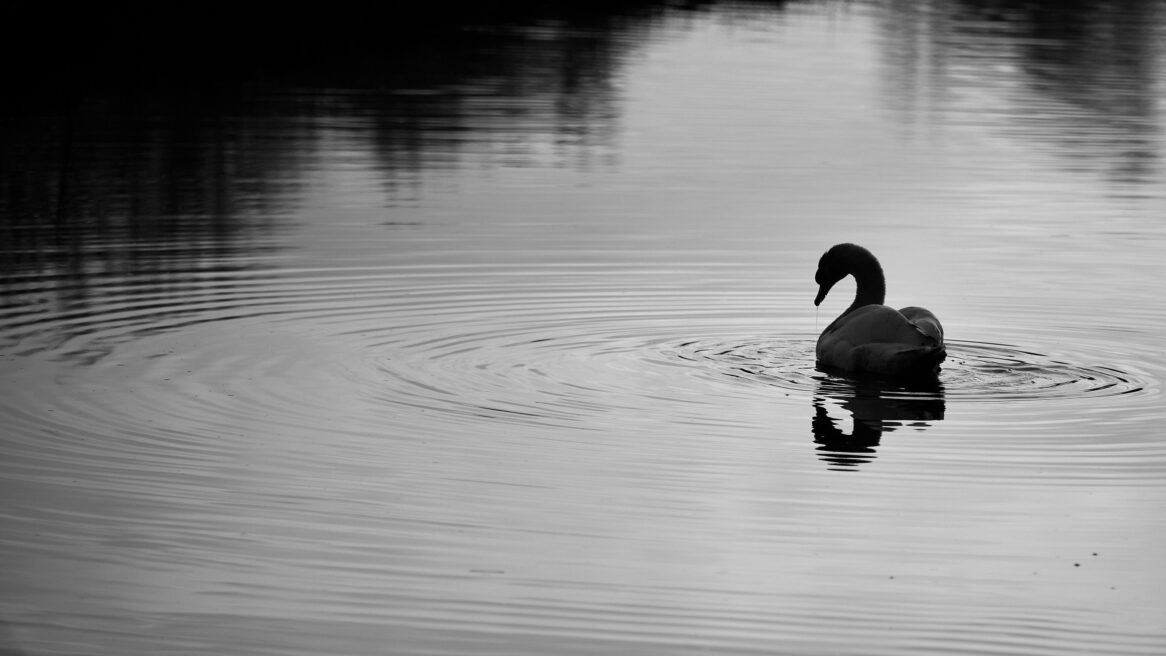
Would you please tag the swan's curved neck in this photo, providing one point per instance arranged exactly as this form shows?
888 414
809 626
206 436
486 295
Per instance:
868 274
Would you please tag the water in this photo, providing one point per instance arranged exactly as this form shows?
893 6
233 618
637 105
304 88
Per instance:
511 350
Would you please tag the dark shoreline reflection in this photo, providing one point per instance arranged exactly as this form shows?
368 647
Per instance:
160 168
876 406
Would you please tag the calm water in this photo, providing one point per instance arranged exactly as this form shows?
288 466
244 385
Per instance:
505 344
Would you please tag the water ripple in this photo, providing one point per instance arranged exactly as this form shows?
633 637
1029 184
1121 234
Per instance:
479 342
973 371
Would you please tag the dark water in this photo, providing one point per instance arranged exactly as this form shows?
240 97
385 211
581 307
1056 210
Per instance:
496 336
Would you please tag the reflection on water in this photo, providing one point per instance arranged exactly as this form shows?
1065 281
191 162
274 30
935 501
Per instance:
206 164
161 182
489 328
875 407
169 175
1081 79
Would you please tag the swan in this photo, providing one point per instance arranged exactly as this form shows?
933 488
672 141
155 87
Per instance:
870 337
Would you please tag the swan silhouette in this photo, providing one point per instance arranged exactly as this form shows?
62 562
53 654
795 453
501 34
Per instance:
870 337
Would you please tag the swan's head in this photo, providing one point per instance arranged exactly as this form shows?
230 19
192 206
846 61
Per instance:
831 268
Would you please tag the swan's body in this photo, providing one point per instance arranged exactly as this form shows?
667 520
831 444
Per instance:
870 337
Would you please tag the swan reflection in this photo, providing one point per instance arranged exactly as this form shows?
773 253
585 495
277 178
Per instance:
875 406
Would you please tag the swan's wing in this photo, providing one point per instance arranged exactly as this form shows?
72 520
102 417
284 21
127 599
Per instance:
924 321
878 324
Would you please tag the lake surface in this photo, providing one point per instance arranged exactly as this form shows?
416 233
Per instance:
500 339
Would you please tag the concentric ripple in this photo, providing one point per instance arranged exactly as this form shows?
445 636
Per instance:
470 344
973 371
465 343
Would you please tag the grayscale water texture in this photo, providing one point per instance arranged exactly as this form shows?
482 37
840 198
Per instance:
500 340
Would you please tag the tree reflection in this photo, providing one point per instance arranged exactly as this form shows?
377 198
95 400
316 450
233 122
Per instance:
155 188
1084 76
135 150
876 406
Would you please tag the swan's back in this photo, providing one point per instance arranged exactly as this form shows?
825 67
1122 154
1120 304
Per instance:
882 340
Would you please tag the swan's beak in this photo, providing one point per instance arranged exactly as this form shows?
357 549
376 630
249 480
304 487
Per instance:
822 291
